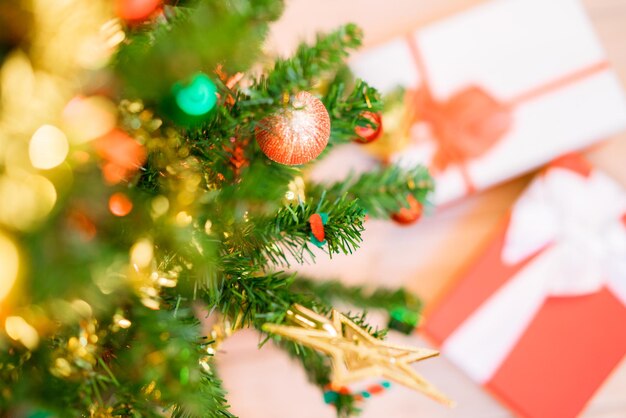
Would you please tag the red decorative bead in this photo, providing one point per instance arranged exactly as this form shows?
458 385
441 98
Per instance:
367 134
407 216
375 389
296 134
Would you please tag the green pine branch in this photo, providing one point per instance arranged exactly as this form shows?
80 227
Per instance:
222 239
381 192
177 46
286 236
347 106
308 66
332 291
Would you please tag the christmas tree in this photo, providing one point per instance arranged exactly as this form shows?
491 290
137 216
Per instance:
153 179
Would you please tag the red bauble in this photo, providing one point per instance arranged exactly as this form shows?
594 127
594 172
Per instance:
412 214
296 134
367 134
136 10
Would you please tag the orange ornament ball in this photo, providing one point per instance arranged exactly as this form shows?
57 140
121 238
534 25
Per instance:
297 134
136 10
367 134
412 214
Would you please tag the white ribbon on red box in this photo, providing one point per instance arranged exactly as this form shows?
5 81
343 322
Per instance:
572 226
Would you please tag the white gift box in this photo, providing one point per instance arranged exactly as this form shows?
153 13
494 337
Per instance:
515 82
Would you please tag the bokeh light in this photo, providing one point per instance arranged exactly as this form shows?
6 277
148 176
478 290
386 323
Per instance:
160 206
87 118
48 147
122 155
120 204
20 330
142 253
32 198
9 265
183 218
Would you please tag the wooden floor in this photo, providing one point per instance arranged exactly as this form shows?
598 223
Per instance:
266 383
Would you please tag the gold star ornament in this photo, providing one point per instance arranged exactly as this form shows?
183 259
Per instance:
354 353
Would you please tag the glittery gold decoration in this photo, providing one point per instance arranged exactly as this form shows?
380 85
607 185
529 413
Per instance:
101 411
78 357
354 353
148 281
298 133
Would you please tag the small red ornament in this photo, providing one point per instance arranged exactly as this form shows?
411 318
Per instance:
407 216
296 134
317 226
367 134
136 10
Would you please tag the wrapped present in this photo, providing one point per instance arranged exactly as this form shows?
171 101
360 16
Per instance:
496 91
539 318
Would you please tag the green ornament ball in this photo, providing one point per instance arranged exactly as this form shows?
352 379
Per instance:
197 97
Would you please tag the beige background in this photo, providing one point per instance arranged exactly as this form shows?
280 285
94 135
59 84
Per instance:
423 257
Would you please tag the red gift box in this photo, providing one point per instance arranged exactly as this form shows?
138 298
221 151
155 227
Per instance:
539 318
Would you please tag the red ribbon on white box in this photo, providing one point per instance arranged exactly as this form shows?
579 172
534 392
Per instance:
571 226
471 121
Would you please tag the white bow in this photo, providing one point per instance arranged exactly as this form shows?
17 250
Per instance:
574 225
581 217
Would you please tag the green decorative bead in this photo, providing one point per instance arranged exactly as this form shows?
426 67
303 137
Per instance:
197 97
403 320
316 242
330 396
